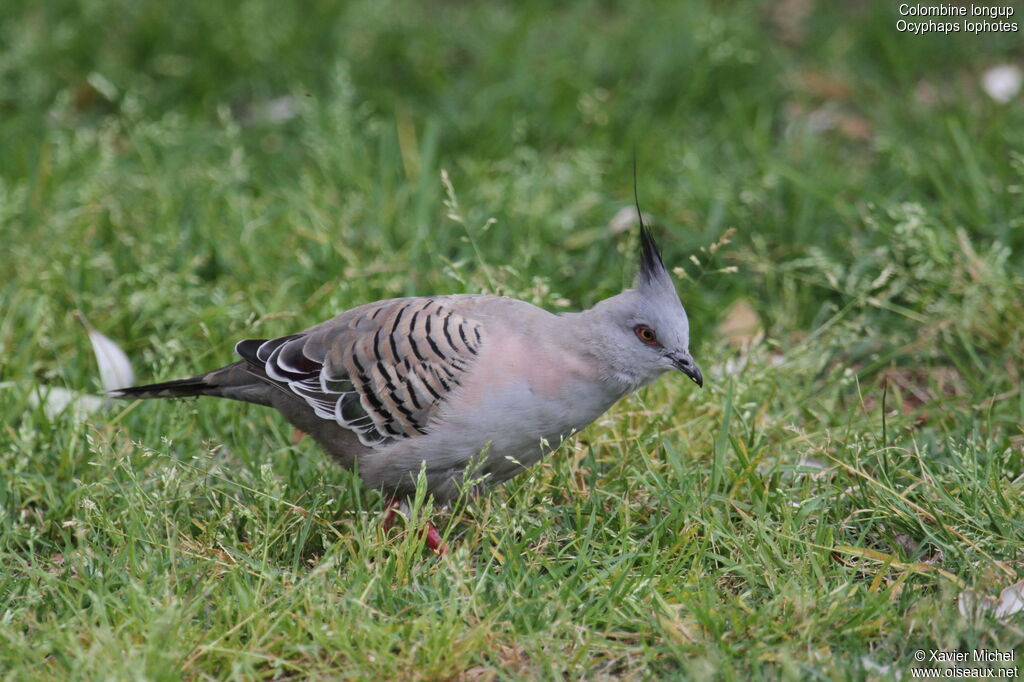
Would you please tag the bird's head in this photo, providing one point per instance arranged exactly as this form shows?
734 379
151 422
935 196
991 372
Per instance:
646 325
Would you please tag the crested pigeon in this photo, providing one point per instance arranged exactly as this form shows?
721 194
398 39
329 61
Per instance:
468 389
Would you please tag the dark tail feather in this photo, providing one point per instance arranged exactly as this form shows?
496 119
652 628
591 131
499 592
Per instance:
182 388
240 381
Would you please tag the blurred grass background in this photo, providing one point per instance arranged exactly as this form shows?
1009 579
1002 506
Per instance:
193 173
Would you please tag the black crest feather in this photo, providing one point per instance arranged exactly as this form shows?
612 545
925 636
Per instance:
651 265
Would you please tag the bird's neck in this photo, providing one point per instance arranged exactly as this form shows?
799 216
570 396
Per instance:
589 333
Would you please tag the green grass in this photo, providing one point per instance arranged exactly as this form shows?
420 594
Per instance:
814 513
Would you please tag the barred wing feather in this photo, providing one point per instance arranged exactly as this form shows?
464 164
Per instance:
380 370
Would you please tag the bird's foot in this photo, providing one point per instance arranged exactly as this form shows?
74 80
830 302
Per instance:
431 538
297 436
393 504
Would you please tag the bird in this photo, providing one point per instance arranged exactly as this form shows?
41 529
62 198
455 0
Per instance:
465 390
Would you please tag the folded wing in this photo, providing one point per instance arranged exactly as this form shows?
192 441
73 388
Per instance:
381 370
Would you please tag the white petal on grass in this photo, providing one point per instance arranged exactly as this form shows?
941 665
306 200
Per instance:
970 603
1011 600
115 368
57 400
1009 603
872 667
1002 82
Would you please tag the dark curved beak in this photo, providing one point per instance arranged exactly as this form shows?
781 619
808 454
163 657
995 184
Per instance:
686 365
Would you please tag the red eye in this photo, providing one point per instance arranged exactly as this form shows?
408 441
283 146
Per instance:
646 334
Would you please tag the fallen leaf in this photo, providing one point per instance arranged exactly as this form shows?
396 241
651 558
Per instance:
871 667
268 112
477 673
970 603
56 400
1011 600
115 368
741 327
1002 82
115 372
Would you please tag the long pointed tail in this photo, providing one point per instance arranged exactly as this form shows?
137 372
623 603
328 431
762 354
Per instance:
181 388
239 381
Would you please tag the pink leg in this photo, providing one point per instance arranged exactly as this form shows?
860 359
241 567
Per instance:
431 538
297 436
391 517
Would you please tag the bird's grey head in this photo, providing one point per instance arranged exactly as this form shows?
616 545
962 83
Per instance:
646 329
